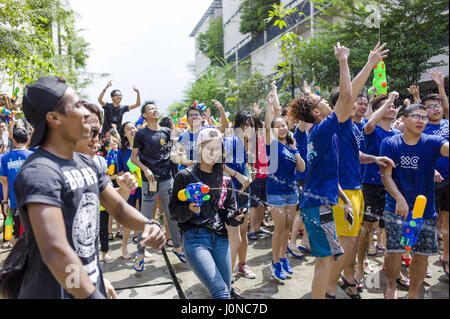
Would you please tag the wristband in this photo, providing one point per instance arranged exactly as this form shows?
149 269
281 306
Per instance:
153 222
96 295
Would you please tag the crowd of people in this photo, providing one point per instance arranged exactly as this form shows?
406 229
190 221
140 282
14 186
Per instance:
335 171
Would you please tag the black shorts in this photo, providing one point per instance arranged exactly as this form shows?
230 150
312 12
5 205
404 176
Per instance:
441 197
258 196
374 200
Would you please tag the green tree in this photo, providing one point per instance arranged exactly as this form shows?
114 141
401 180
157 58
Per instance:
27 50
210 43
254 14
414 30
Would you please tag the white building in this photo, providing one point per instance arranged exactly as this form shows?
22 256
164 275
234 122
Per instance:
262 50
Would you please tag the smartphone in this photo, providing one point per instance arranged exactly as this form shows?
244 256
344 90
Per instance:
349 218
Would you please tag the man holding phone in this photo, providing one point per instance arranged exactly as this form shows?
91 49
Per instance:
153 144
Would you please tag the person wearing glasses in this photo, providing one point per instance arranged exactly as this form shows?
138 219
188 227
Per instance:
438 114
415 156
114 111
321 189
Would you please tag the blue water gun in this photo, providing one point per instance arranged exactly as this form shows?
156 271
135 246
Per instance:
201 106
140 121
7 113
413 224
195 193
111 160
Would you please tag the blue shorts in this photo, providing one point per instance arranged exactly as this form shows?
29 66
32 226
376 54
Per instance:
319 223
427 242
282 200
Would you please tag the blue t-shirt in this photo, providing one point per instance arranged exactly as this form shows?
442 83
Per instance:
235 157
302 145
189 141
358 129
321 183
1 185
440 130
414 172
11 164
349 164
281 170
371 173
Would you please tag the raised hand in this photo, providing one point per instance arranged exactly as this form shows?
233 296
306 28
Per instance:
377 54
256 109
393 96
414 90
217 104
437 77
109 84
341 53
135 90
306 88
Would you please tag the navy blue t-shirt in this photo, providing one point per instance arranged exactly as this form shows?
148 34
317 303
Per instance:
371 174
414 172
236 157
302 145
440 130
358 129
321 183
349 164
282 168
11 164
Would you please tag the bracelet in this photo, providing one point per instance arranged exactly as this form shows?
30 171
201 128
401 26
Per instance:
153 222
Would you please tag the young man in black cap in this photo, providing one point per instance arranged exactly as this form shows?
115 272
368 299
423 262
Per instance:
58 194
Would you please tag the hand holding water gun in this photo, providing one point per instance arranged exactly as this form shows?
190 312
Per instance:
196 193
140 122
413 224
136 171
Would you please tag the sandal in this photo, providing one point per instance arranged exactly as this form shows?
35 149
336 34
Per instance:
372 252
304 248
135 239
295 253
253 236
359 285
181 257
111 236
169 242
139 264
119 234
6 245
380 248
403 282
345 286
444 266
327 296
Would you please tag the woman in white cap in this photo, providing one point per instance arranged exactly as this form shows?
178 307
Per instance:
205 237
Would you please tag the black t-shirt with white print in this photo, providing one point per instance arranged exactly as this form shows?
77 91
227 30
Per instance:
75 187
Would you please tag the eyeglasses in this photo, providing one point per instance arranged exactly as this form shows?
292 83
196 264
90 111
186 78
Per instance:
192 116
117 95
94 132
418 117
321 99
434 106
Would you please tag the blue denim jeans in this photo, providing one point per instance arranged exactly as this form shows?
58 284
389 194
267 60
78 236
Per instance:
209 257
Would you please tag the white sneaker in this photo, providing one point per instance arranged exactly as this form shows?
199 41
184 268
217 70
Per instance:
245 271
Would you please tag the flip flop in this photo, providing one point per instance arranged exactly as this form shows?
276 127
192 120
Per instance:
181 257
403 283
444 264
169 244
327 296
380 248
293 254
345 286
253 236
359 285
372 252
305 249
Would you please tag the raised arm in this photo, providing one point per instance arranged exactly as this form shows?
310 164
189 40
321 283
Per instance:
376 117
100 98
439 80
138 101
276 101
343 107
223 117
360 80
269 118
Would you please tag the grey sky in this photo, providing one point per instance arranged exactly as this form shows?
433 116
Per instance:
140 43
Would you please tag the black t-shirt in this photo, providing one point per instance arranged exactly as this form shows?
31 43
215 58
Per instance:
74 186
113 115
154 151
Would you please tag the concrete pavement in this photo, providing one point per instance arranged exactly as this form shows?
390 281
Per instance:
165 277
